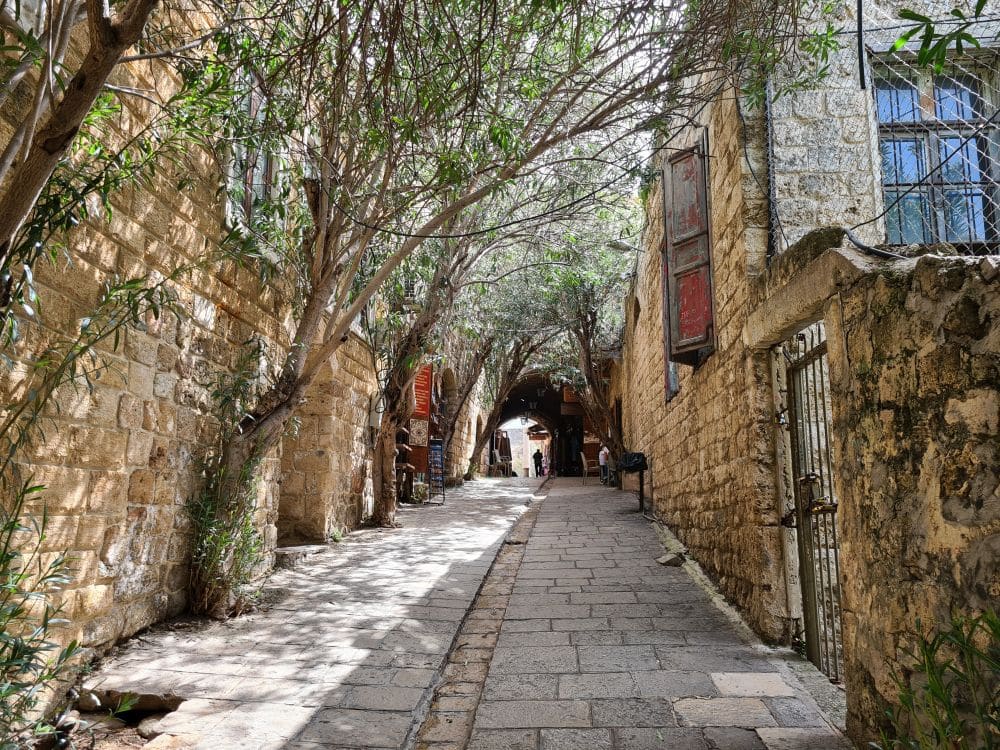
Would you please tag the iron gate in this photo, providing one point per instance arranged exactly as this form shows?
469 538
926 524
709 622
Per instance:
815 502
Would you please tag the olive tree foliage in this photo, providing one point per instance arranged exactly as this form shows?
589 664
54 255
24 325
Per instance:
77 127
405 114
443 302
587 296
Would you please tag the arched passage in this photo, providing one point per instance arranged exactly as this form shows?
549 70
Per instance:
527 439
538 399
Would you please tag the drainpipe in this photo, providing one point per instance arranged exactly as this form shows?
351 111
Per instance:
773 220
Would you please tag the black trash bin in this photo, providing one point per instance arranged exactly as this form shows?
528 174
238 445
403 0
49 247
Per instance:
631 462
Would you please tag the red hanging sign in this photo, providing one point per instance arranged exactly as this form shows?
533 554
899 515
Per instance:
422 392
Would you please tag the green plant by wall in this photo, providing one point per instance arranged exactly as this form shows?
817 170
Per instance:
951 700
227 544
29 658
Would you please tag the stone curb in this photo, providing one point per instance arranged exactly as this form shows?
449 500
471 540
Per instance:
829 698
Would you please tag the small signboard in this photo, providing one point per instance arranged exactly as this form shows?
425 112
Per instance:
418 432
422 392
436 468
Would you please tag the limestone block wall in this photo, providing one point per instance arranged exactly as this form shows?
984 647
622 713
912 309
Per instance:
464 439
825 155
326 483
914 356
711 448
121 461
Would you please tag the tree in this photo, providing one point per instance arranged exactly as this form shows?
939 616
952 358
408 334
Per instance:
47 129
407 115
505 367
433 295
61 103
586 295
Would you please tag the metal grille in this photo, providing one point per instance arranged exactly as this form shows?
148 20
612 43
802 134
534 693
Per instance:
815 502
938 135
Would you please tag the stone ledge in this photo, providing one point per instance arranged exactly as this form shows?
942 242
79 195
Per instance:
792 296
292 557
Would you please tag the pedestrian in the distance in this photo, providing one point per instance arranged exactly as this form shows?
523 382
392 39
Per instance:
537 455
602 460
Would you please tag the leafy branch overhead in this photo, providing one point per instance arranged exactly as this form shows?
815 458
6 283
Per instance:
960 32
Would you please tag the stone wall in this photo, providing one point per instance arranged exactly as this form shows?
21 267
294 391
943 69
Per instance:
326 463
914 360
710 448
915 373
464 439
120 460
838 184
825 153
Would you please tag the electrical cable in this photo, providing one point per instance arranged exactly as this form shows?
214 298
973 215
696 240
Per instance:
878 252
861 44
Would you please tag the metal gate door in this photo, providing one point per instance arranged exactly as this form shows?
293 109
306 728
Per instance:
815 503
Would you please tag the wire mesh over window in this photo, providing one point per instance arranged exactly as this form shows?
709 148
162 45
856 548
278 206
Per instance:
938 168
939 137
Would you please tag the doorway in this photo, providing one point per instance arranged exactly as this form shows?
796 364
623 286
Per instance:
806 404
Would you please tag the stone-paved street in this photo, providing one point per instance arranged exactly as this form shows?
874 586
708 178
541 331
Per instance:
600 647
346 651
579 640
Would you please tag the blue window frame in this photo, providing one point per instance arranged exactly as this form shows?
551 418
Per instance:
939 171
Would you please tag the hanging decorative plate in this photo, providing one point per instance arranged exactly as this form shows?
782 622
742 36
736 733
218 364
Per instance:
418 432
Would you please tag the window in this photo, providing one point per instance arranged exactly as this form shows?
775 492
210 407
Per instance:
688 304
252 176
938 148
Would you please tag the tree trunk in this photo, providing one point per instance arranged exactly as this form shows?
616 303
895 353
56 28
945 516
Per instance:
384 473
492 422
27 179
462 397
596 398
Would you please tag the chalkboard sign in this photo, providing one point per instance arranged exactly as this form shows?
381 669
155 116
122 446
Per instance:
436 467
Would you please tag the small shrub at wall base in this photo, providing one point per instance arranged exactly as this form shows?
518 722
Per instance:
227 545
32 664
951 700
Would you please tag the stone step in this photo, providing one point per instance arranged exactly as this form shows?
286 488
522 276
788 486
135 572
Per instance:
293 557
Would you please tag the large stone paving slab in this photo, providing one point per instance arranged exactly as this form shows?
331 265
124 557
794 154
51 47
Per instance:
347 647
601 647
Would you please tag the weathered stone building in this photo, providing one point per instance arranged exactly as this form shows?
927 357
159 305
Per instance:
820 416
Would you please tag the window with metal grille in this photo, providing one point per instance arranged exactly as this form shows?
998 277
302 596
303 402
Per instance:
253 169
938 143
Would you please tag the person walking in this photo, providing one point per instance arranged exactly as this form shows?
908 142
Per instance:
537 456
602 460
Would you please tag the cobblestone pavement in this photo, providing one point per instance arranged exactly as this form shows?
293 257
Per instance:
601 648
346 651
